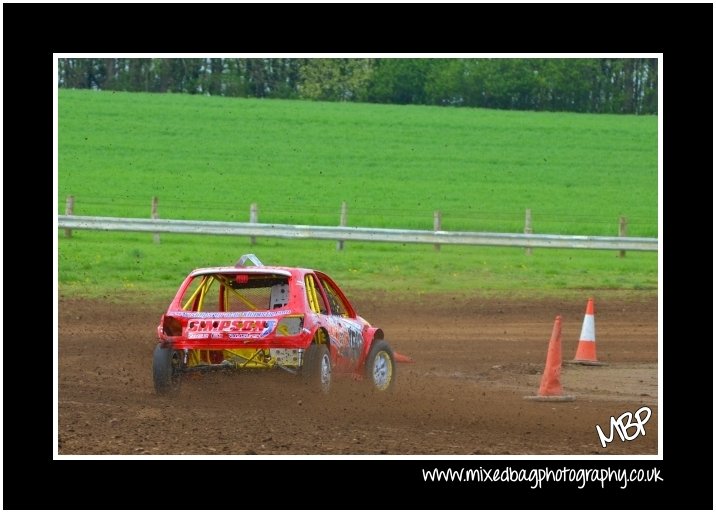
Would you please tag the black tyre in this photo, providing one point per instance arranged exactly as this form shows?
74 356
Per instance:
166 368
317 367
380 366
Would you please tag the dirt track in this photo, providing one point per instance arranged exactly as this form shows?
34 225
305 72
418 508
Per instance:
475 360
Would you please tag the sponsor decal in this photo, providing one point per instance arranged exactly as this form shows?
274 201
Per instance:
244 335
230 315
351 323
248 328
346 336
269 326
219 326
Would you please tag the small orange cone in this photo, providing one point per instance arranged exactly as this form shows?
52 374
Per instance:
401 358
550 388
587 348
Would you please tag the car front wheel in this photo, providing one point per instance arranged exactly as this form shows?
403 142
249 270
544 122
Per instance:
380 366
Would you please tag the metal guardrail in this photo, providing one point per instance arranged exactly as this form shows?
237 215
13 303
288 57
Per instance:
356 234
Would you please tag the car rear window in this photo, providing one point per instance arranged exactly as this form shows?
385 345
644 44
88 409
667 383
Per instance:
236 292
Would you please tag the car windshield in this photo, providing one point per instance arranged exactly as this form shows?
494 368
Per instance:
225 292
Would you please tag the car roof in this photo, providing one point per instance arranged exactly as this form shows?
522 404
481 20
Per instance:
257 268
284 271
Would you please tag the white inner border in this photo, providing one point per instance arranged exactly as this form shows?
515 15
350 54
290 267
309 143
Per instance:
55 270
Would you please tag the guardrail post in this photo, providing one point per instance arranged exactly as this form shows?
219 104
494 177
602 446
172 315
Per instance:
623 225
528 228
437 225
69 210
343 222
253 218
155 215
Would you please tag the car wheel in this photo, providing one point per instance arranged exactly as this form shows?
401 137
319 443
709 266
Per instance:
166 367
317 367
380 366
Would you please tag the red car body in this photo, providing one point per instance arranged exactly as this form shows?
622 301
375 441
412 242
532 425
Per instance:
263 317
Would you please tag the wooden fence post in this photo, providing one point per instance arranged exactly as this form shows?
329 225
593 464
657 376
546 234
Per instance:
253 218
528 228
343 222
623 225
155 215
437 225
69 210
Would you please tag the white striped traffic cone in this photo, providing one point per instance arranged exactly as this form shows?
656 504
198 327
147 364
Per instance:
587 348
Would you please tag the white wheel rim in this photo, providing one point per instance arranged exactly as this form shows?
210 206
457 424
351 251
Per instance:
325 372
382 370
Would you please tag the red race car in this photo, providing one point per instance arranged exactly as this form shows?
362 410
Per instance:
261 317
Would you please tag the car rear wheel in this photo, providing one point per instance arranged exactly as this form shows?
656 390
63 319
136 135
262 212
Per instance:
317 367
166 369
380 366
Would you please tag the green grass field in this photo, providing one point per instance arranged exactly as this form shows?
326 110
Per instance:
210 158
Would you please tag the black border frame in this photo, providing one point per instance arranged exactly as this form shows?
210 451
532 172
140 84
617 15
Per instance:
32 480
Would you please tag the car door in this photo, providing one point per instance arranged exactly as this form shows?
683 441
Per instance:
345 330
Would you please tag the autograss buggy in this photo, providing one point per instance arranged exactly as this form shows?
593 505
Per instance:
252 316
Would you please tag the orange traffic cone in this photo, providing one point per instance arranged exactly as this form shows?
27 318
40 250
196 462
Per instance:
401 358
587 348
550 388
